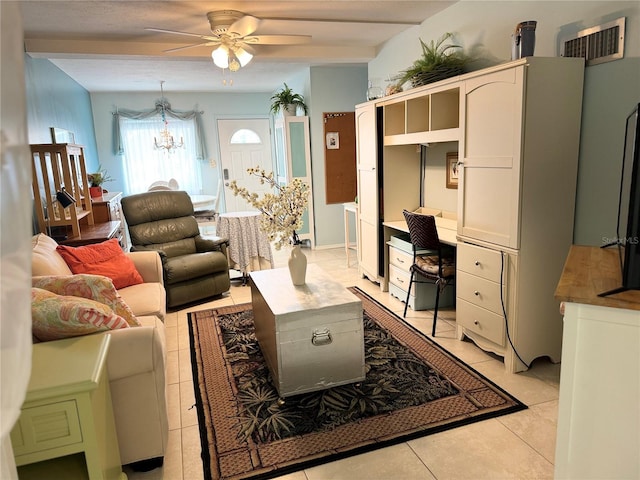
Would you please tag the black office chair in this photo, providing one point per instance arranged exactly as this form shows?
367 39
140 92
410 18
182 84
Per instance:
436 266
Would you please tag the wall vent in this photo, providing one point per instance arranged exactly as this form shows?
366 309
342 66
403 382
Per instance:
599 44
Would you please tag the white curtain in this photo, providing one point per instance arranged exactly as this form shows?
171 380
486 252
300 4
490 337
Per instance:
144 164
15 232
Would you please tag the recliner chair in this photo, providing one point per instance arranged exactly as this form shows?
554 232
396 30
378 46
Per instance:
194 267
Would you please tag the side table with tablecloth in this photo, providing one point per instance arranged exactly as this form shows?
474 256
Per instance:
249 249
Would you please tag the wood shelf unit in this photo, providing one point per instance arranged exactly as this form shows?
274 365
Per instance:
57 166
423 117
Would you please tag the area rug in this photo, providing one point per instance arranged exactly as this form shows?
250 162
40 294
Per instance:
413 388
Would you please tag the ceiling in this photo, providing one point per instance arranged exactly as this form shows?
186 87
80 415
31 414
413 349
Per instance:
104 46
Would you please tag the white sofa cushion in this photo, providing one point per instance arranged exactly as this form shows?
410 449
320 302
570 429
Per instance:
145 299
44 258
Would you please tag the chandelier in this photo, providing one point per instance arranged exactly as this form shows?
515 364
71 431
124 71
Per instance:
167 142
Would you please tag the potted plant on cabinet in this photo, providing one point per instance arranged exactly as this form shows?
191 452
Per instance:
96 180
287 101
438 61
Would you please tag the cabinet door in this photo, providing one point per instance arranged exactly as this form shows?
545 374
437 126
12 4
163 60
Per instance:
299 166
367 165
489 196
293 160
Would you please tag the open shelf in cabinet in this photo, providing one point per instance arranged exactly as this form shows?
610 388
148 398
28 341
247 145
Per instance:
425 117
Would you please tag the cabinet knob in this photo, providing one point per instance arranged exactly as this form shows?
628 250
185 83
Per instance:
476 293
399 260
476 322
477 263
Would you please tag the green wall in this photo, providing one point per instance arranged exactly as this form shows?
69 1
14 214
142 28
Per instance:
56 100
332 89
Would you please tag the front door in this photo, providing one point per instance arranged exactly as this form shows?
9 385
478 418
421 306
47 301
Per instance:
244 144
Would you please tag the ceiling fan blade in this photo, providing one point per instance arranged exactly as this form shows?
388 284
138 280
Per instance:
205 44
243 27
278 39
175 32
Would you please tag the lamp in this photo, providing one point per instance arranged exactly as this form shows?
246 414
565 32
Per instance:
64 198
166 139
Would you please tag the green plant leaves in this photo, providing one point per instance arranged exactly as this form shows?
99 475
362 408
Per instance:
438 61
284 97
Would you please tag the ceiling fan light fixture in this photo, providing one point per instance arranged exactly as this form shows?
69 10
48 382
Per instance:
221 57
234 64
243 56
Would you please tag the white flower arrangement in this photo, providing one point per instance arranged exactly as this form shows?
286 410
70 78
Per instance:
281 211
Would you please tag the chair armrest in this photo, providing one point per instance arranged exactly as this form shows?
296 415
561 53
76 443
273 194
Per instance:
211 244
135 350
149 265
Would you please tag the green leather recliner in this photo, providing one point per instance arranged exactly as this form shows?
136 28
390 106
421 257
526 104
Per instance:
194 267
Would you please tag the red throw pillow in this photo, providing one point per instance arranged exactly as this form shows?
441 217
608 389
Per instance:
106 258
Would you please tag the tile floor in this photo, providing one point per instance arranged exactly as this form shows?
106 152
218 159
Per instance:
516 446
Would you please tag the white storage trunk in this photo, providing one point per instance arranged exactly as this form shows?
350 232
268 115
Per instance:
311 336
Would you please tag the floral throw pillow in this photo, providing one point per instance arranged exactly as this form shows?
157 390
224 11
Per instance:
106 258
93 287
57 316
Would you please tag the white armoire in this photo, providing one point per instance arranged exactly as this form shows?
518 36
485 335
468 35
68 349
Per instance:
517 128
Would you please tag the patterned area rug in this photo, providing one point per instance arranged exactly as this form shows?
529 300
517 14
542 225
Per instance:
413 388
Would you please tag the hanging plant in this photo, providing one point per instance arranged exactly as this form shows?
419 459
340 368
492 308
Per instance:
438 61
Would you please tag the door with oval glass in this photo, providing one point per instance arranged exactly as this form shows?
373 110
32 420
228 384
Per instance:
244 143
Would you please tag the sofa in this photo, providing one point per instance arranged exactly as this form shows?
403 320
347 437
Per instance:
136 358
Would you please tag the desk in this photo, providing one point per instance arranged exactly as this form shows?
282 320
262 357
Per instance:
351 207
447 229
96 233
249 249
447 232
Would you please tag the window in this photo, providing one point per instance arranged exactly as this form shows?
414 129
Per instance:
244 136
143 164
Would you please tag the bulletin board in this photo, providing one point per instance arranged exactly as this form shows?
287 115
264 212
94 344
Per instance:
340 157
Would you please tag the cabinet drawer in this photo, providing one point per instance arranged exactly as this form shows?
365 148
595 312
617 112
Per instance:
478 320
45 427
480 261
400 278
400 259
479 291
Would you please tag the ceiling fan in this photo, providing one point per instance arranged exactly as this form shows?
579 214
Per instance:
231 32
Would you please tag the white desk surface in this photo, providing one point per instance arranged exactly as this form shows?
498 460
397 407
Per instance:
447 229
